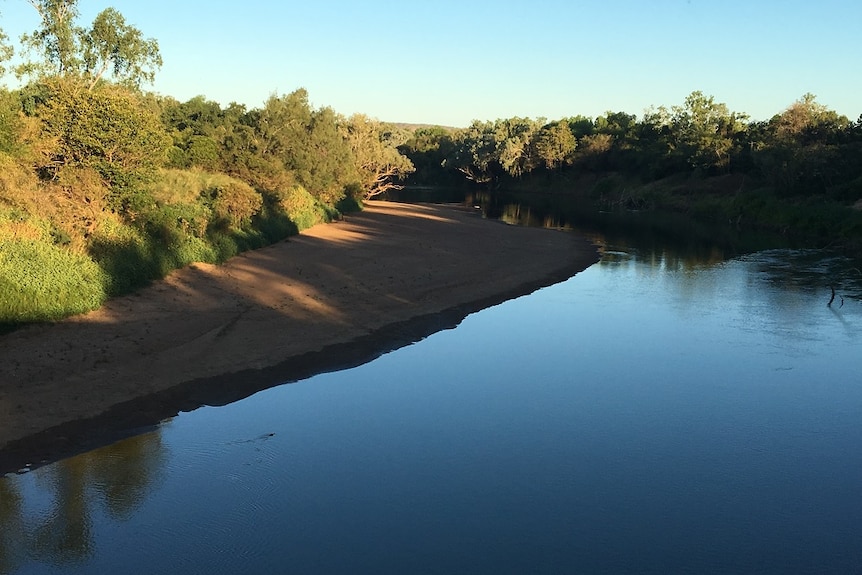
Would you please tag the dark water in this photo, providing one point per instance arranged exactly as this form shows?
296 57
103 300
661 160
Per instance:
661 412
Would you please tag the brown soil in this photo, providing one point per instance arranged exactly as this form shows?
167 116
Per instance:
336 295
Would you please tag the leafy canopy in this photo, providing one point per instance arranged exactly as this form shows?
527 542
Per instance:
109 47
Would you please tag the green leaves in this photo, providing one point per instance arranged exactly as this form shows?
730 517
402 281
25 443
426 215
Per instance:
6 51
555 144
112 46
108 48
57 38
108 129
706 130
374 146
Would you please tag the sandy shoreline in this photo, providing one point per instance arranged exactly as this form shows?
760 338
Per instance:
334 296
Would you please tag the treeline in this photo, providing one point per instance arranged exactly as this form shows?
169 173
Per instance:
104 187
800 171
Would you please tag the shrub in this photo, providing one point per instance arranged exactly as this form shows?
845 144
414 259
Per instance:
232 204
126 256
302 208
273 222
110 129
18 183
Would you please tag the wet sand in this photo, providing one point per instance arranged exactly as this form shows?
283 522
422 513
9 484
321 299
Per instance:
335 296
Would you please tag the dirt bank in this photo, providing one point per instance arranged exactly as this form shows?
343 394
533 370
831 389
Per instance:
333 296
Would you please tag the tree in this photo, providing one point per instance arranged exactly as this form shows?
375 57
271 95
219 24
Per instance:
6 51
198 128
196 117
57 38
706 130
514 150
620 125
592 151
657 154
110 47
555 144
375 154
580 126
113 46
800 150
109 130
474 152
322 158
428 148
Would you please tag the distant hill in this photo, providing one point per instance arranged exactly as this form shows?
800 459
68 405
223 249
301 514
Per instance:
414 127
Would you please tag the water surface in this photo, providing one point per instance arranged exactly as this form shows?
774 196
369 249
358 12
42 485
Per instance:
653 414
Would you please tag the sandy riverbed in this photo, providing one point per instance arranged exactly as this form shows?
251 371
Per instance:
333 296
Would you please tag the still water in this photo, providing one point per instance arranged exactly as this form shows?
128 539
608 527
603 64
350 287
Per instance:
652 414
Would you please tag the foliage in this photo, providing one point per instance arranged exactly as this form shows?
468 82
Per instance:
233 205
427 148
6 51
112 46
374 146
806 160
56 39
18 184
302 208
11 121
108 130
322 160
40 280
474 153
555 145
85 189
60 47
807 148
704 131
82 153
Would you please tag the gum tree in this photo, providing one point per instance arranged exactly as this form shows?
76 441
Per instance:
109 48
375 152
706 130
6 51
113 47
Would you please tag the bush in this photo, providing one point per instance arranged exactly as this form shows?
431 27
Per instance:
18 183
126 256
273 222
109 129
232 204
302 208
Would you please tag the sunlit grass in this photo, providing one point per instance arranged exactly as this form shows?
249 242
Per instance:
40 281
67 253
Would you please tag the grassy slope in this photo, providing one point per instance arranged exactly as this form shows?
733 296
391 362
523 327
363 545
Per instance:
63 251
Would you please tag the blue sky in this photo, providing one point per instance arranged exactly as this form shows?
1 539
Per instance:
449 62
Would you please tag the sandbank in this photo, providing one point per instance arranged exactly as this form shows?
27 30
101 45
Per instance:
334 296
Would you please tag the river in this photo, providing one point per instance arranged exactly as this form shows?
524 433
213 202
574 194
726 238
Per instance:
656 413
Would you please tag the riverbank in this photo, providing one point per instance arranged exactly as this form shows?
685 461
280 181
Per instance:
336 295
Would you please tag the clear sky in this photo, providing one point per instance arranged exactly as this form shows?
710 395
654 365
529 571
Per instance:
451 61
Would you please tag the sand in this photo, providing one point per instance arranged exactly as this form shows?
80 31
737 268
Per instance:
335 296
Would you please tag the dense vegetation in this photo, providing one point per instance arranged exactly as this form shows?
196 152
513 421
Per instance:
104 187
800 173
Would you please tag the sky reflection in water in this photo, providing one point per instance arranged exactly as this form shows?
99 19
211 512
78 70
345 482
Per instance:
651 414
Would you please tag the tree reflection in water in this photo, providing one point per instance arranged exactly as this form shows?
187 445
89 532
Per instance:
47 516
12 533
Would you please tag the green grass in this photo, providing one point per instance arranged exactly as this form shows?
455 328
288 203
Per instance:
181 217
40 281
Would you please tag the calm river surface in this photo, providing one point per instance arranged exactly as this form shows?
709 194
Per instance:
652 414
